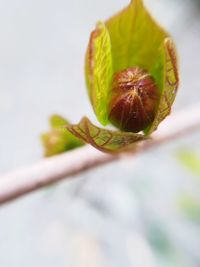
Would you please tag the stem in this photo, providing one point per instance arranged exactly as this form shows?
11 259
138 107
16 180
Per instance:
51 170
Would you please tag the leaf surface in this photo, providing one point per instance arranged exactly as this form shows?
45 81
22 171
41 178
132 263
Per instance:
105 140
170 84
99 71
135 38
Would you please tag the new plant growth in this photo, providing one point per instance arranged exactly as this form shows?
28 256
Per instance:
132 79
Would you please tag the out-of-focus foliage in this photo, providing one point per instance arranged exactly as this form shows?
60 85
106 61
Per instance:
189 204
159 239
190 160
190 207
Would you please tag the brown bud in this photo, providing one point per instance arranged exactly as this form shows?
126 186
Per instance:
134 97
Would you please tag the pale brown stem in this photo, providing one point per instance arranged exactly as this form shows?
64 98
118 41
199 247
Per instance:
51 170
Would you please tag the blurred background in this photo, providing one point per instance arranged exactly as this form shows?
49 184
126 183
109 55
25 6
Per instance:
141 212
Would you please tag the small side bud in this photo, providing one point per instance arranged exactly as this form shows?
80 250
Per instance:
134 98
58 139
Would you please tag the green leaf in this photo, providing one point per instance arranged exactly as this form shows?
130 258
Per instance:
99 71
135 38
103 139
58 139
170 83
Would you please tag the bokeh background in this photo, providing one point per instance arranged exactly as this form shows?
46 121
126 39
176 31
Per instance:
141 212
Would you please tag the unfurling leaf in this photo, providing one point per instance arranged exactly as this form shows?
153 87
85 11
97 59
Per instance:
103 139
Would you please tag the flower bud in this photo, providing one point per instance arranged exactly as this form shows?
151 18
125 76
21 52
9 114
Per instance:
134 98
